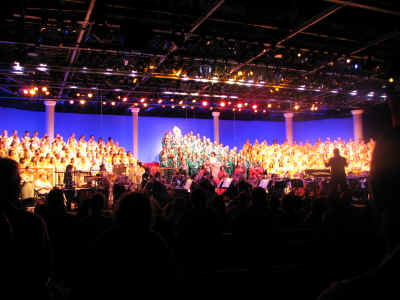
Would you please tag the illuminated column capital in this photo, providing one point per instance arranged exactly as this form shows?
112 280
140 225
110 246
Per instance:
357 124
50 106
289 126
216 115
135 117
288 115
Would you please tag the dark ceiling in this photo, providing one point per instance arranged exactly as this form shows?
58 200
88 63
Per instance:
326 55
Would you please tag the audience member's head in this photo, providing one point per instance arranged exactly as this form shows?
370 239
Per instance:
96 204
198 198
259 197
133 212
9 183
55 201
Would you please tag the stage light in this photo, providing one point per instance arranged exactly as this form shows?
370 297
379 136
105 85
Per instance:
82 102
194 101
246 104
269 105
278 55
172 99
183 106
159 101
36 88
142 100
204 103
240 73
299 54
348 60
44 89
211 108
192 107
163 106
32 92
25 91
222 104
181 102
240 105
256 111
47 93
254 106
124 99
145 104
391 79
356 66
113 103
229 103
104 102
90 95
251 73
264 111
136 104
233 109
296 107
42 68
172 106
78 94
277 89
71 101
17 66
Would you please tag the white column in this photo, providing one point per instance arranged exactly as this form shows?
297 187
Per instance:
289 126
50 108
215 115
135 116
357 125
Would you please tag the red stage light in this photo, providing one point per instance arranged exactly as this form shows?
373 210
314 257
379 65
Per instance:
71 101
254 106
44 89
159 101
113 103
124 99
90 95
181 102
204 103
240 105
143 100
222 104
26 92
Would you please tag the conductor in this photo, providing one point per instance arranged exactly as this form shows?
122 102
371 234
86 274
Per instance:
338 175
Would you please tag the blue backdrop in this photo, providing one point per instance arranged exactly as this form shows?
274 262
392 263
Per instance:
152 129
